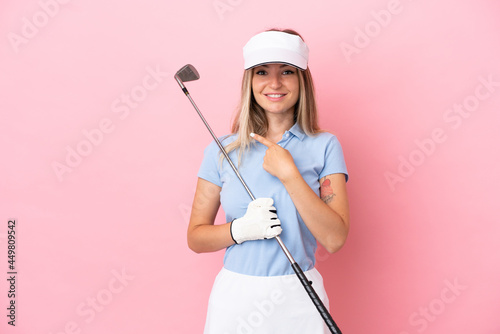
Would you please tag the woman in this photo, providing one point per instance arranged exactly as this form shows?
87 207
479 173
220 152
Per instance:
296 172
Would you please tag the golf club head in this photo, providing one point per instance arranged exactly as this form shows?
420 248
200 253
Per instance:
187 73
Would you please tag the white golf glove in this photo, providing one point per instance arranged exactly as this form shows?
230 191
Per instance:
259 222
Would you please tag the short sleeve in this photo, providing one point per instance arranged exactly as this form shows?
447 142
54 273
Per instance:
209 169
334 159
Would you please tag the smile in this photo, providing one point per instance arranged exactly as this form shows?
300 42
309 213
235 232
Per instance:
276 96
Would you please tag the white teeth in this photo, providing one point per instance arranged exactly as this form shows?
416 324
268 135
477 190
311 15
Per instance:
275 95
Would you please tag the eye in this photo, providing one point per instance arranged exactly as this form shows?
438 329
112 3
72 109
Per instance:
260 72
288 72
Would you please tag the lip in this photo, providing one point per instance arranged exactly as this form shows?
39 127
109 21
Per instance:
275 97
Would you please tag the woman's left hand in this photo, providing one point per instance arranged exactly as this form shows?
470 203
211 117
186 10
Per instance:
327 217
277 161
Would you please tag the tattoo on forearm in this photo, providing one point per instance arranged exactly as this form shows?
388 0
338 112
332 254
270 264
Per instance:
327 193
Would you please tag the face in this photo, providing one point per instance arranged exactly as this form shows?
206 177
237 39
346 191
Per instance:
276 87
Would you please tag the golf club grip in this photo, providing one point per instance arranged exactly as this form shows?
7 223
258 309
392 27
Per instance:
332 326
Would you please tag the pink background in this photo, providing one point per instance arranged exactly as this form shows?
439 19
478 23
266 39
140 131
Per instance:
391 77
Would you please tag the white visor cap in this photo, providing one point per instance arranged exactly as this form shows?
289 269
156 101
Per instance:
276 47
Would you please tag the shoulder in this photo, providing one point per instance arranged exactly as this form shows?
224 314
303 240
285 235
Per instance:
323 138
326 135
224 140
327 145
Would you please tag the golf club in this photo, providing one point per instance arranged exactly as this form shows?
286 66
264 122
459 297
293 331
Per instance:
189 73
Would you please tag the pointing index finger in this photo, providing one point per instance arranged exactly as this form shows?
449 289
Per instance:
262 140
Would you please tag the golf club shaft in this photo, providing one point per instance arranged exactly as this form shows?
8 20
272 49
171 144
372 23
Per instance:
332 326
221 148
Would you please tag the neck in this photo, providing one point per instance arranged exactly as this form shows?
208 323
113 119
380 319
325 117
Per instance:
278 125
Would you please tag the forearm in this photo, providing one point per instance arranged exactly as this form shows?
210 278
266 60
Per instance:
327 226
209 238
202 235
329 223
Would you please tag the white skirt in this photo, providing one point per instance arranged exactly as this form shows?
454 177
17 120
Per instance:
242 304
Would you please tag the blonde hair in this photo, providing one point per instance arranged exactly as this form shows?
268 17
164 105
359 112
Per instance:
250 117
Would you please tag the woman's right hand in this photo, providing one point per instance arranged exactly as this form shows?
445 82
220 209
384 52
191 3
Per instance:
203 236
259 222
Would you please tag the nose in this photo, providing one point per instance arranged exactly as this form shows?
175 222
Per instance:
275 80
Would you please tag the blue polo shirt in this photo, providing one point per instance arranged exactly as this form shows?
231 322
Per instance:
315 157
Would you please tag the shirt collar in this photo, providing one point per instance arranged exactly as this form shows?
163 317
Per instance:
297 131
